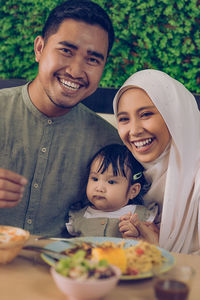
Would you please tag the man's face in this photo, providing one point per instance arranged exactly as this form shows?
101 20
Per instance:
71 64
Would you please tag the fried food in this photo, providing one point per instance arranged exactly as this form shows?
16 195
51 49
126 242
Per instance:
115 256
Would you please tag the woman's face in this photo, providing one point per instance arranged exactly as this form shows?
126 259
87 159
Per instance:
141 126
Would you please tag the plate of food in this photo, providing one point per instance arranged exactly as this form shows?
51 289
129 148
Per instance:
136 259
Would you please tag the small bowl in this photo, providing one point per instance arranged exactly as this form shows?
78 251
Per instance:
89 289
12 240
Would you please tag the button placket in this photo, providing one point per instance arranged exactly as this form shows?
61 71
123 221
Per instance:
29 221
42 159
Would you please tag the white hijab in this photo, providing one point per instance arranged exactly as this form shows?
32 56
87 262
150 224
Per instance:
176 173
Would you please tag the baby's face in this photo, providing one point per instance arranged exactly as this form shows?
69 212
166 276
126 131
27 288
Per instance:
106 191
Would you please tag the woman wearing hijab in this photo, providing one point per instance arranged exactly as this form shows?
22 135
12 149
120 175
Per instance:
159 121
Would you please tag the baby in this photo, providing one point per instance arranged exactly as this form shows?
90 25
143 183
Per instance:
115 188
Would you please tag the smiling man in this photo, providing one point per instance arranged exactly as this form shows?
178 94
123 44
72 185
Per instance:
71 63
47 137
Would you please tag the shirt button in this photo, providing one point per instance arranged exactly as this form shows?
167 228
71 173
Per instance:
29 221
35 185
49 122
44 149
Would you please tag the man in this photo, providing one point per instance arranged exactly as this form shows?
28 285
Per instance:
46 135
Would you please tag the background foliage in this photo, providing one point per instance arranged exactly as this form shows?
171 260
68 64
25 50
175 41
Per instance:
158 34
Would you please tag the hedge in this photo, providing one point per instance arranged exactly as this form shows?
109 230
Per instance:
158 34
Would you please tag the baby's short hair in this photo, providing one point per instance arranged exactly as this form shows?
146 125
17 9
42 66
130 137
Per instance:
120 158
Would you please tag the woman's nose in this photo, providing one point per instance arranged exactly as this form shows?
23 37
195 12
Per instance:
135 129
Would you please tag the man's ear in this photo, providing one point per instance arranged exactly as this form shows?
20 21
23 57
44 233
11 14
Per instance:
38 47
134 190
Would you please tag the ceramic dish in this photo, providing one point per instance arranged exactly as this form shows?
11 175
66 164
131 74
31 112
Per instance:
12 240
88 289
62 245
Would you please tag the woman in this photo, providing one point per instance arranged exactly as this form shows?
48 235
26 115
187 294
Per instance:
159 121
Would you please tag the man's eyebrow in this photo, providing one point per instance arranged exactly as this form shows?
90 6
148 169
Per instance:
67 44
89 52
96 54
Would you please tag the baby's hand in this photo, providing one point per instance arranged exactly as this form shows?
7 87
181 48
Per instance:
127 229
148 231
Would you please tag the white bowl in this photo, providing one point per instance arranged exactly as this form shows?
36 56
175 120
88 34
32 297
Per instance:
89 289
12 240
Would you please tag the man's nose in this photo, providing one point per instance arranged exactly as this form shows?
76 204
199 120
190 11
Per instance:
75 67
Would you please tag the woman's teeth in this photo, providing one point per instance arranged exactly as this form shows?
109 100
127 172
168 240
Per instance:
143 143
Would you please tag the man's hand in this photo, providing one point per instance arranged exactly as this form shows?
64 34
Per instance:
11 188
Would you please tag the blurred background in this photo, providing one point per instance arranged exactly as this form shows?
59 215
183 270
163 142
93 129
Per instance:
158 34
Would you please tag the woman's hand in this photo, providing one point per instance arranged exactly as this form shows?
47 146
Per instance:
127 229
11 188
130 224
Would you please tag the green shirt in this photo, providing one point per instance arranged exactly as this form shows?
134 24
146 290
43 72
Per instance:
52 153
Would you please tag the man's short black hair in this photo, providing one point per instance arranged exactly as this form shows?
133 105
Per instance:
80 10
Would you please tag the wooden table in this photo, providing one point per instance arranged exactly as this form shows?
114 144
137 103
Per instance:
27 277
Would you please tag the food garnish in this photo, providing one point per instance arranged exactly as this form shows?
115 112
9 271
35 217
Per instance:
77 266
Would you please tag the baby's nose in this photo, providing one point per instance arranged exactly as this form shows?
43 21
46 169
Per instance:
100 187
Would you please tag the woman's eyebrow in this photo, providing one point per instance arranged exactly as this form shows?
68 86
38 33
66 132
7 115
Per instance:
122 113
138 110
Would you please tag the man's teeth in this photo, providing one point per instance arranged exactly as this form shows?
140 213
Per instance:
70 85
143 143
